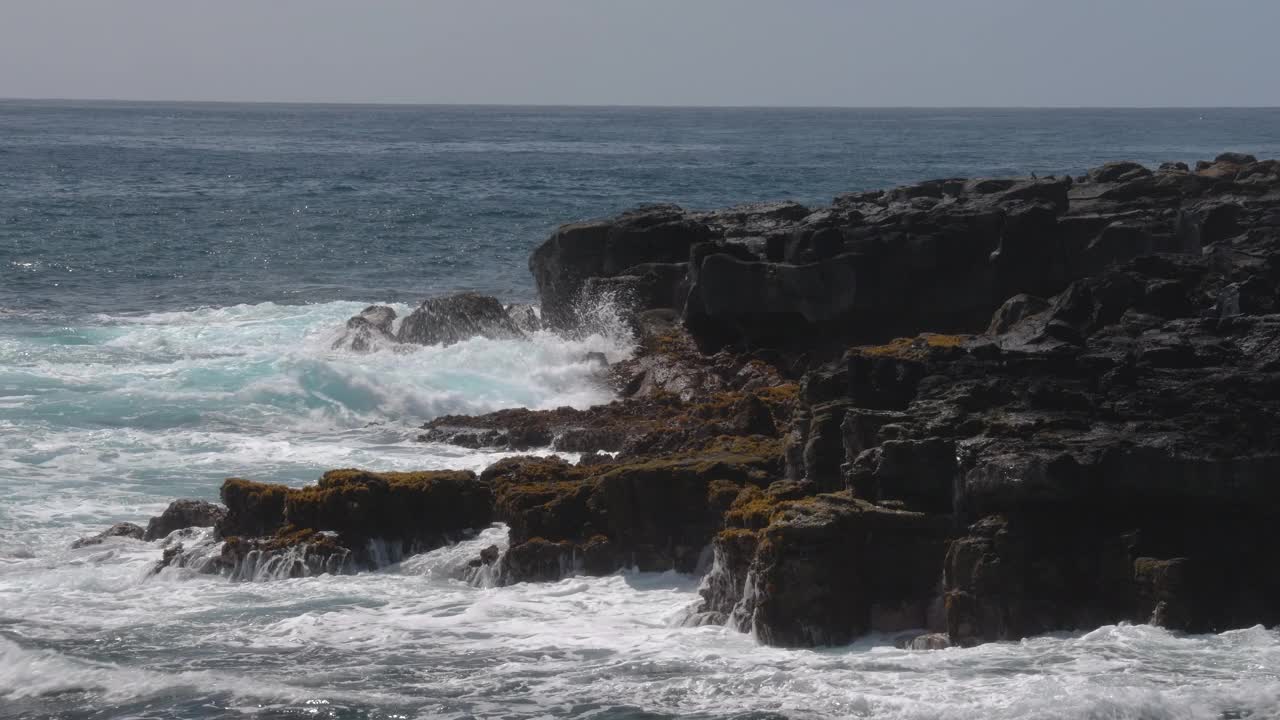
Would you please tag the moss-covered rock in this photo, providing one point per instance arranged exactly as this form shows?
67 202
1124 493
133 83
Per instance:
254 509
413 507
821 570
656 513
349 520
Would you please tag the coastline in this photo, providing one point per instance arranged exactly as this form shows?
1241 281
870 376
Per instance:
965 410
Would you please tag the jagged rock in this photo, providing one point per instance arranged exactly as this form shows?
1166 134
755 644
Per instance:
927 641
938 256
1118 172
674 399
1097 457
525 318
453 318
1074 460
647 286
368 331
254 509
826 569
183 514
418 509
1015 310
605 249
1235 158
765 301
1101 449
652 514
125 529
351 519
754 220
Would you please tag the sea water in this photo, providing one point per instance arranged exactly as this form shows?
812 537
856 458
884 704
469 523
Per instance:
172 278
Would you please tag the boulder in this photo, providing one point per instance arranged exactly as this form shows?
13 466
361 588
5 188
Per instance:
350 520
449 319
254 509
1118 172
525 318
125 529
1235 158
368 331
419 510
182 514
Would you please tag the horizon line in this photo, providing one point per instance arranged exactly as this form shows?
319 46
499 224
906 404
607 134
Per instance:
605 106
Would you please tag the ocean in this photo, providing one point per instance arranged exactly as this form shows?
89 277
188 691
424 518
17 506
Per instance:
172 277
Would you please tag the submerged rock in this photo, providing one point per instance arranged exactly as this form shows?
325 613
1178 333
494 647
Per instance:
125 529
525 318
368 331
453 318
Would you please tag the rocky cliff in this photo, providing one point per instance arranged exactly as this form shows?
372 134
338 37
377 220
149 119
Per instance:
982 408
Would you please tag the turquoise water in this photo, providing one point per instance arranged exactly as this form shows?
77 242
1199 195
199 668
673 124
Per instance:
171 279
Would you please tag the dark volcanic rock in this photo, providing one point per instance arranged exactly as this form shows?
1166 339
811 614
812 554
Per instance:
823 570
606 249
983 408
525 318
182 514
939 256
653 514
127 530
1118 172
453 318
1105 455
416 509
254 509
349 520
368 331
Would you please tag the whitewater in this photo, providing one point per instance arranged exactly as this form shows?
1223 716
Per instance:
110 419
172 277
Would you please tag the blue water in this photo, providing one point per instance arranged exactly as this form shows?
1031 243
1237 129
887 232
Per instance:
142 207
171 280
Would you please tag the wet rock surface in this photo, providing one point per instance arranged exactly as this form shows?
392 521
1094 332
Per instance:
452 318
368 331
441 320
124 530
960 411
182 514
349 520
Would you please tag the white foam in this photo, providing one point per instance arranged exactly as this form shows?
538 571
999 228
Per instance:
110 421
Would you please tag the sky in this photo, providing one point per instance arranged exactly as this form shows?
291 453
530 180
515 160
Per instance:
1024 53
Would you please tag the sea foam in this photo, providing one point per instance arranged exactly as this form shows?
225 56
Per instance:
121 414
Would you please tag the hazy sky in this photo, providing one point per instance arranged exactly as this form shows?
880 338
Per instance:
648 52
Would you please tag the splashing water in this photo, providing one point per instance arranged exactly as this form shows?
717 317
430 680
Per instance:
119 414
109 418
106 418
